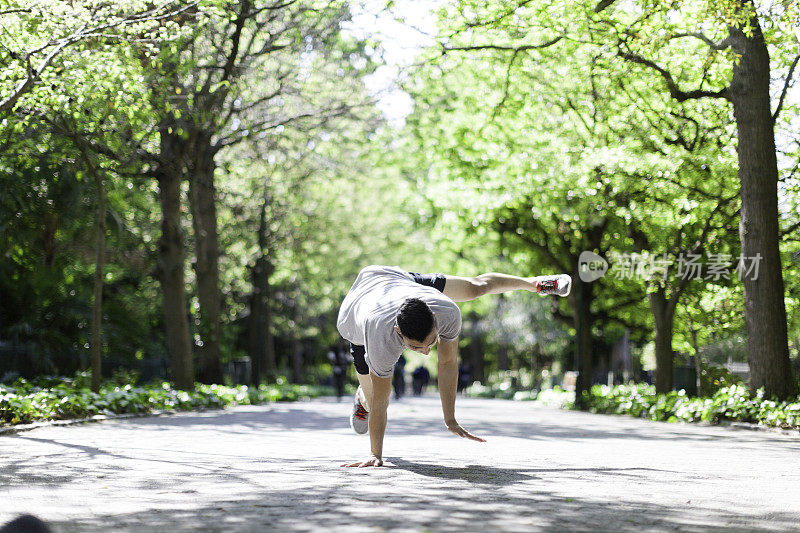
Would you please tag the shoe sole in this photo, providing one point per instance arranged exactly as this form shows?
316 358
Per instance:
353 427
566 290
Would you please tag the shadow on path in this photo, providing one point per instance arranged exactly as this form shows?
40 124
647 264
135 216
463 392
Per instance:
26 472
440 507
489 475
478 474
280 489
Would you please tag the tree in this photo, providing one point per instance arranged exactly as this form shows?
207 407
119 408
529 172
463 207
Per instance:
549 186
40 31
86 27
294 76
680 200
41 195
100 252
203 92
736 69
748 90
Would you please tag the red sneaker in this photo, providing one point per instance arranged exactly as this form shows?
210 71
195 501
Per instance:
560 285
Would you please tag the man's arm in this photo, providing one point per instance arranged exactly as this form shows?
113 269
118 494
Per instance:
381 391
378 404
448 385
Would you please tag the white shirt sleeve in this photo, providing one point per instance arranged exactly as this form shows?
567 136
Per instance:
448 322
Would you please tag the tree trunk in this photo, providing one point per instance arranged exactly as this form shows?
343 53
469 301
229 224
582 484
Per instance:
765 313
97 304
297 361
581 298
698 363
255 328
262 343
502 349
502 357
476 349
49 231
171 260
663 310
535 365
269 345
296 344
202 198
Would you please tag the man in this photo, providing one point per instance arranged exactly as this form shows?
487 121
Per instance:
388 310
420 378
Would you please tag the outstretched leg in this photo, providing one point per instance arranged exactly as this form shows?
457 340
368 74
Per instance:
460 289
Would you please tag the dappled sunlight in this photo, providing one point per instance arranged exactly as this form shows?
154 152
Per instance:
278 466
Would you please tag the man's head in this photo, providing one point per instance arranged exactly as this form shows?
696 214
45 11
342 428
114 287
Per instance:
415 322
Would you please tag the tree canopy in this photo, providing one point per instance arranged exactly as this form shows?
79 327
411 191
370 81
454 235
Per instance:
195 183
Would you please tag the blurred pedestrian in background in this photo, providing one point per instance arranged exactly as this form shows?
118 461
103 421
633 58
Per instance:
420 378
464 376
340 360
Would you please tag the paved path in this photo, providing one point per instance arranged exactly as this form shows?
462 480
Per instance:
277 467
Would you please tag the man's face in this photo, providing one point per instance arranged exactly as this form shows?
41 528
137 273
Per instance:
423 347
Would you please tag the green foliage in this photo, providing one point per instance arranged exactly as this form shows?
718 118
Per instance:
731 403
289 102
542 126
518 385
564 139
58 398
713 378
509 384
46 254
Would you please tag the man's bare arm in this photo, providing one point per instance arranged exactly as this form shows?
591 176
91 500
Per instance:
448 386
381 391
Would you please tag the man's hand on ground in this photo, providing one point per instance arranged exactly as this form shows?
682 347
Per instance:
372 461
461 432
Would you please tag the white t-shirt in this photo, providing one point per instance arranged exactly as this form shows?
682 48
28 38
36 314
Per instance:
368 312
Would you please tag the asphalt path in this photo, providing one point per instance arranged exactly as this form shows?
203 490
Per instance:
277 467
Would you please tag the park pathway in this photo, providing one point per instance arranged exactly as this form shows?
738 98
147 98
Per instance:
276 467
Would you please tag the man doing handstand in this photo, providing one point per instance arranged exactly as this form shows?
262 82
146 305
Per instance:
388 310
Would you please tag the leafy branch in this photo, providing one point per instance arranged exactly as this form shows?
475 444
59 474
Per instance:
786 86
506 48
58 45
721 45
674 91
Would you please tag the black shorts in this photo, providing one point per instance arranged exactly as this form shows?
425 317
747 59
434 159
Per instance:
358 351
436 281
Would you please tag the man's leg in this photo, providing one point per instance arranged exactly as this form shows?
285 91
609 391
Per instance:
461 289
362 371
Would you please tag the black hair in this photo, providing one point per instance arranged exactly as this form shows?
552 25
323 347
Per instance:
415 319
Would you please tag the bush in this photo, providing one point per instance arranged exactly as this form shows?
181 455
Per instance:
731 401
507 385
555 397
734 403
51 398
714 378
